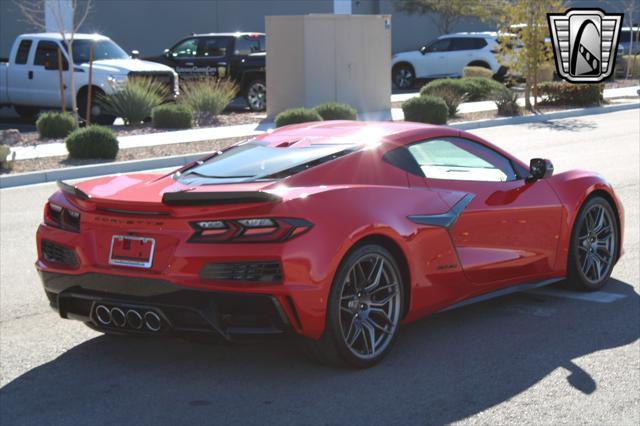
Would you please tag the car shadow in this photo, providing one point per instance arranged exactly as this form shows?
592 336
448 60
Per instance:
443 369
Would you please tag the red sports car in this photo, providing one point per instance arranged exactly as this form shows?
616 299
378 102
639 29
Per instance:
336 231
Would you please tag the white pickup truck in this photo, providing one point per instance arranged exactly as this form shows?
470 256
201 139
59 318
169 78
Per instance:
30 79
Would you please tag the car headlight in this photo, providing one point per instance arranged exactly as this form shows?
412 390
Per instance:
117 81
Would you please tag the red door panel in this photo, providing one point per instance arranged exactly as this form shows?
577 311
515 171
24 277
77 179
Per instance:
508 233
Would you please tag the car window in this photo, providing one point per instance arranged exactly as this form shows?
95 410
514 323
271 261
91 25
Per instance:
461 159
47 54
214 47
467 43
185 49
23 52
248 44
440 45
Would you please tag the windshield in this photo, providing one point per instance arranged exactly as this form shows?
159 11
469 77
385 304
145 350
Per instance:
102 49
254 161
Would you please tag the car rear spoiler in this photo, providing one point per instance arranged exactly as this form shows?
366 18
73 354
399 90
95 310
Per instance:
72 190
202 198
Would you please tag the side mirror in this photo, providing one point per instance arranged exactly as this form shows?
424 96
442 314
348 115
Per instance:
540 168
166 52
424 50
135 54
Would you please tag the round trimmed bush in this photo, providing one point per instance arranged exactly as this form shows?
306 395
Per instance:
171 116
336 111
426 109
481 89
473 71
296 115
452 92
92 142
55 125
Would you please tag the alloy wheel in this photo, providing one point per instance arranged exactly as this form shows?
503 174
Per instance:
370 306
596 244
404 78
257 96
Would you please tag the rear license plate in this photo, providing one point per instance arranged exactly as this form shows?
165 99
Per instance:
131 251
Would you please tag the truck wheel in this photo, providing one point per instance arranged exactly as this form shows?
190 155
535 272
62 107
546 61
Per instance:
256 95
26 112
98 115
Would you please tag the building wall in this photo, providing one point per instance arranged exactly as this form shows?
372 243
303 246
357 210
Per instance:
151 26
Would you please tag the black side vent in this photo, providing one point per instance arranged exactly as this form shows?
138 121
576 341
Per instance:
246 271
55 253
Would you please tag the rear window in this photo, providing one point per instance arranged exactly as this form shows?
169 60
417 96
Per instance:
254 161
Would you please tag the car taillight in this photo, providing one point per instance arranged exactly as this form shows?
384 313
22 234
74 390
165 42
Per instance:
61 217
252 230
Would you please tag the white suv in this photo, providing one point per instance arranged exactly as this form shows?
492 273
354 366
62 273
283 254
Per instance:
446 56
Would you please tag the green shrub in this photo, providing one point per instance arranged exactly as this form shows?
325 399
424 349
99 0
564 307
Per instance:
135 100
453 92
621 66
571 94
209 94
297 115
507 102
92 142
481 89
426 109
55 125
477 72
171 116
336 111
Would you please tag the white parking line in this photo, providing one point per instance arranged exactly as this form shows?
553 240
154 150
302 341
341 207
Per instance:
598 296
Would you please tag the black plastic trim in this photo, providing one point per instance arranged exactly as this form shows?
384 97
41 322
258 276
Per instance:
72 190
200 198
444 220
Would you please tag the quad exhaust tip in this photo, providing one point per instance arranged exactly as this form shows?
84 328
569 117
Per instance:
132 319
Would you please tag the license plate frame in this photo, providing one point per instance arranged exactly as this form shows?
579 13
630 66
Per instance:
133 262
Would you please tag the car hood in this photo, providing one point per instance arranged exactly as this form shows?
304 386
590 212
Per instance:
124 66
406 56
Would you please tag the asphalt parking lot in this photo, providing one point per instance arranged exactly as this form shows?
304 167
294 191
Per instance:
545 357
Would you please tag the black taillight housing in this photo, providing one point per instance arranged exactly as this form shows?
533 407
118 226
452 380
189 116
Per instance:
61 217
251 230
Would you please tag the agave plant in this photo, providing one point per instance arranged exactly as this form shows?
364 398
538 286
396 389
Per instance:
135 100
208 95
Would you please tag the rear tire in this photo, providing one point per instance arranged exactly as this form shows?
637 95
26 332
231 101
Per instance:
256 95
98 115
594 246
363 311
26 112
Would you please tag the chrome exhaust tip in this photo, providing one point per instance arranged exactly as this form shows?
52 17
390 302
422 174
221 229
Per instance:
103 315
118 317
152 321
134 319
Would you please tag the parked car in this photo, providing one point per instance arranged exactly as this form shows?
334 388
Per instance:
336 231
239 56
30 79
624 43
446 56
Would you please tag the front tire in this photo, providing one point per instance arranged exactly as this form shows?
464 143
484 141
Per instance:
404 77
364 310
98 115
594 246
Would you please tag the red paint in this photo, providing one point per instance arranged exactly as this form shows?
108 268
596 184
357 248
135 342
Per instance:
511 232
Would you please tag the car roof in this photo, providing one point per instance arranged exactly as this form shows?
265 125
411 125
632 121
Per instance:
58 36
236 34
352 132
485 34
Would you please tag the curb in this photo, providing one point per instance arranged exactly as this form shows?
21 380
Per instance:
92 170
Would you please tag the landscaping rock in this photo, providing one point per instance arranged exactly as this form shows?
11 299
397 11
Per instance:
10 137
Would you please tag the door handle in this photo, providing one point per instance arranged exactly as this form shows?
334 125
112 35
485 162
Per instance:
30 75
